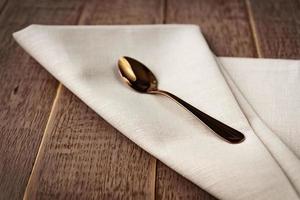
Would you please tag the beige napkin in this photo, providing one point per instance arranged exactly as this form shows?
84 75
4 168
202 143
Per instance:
258 97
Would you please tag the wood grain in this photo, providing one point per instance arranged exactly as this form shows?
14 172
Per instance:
277 27
226 28
82 156
123 12
27 91
225 24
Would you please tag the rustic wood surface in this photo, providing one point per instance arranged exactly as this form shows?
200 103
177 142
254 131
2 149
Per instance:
54 147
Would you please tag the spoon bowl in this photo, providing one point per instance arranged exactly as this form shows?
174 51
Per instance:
137 75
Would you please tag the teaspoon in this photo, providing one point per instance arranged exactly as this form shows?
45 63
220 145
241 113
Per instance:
141 79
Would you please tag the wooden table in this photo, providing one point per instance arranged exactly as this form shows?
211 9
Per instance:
52 146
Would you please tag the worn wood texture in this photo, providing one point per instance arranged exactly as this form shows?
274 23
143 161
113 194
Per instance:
224 24
27 91
123 12
276 27
81 156
92 160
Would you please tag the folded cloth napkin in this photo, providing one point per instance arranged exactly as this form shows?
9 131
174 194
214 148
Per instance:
259 97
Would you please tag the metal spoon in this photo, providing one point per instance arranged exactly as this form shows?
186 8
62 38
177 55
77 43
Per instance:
140 78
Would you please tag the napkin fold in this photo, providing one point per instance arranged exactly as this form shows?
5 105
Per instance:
259 97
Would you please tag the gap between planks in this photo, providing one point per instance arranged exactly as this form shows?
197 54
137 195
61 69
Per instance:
253 28
3 6
50 119
58 92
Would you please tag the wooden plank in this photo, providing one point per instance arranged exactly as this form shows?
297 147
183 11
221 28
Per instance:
224 24
226 28
124 12
277 28
82 156
27 91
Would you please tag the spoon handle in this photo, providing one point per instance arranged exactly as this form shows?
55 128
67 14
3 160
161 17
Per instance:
225 132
